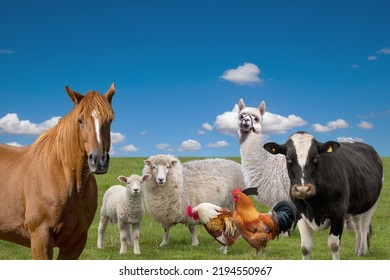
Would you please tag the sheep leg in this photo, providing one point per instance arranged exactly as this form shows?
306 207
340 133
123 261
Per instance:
135 228
165 240
123 234
102 231
195 241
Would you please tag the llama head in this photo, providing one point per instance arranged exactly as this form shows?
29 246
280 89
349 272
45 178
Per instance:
250 118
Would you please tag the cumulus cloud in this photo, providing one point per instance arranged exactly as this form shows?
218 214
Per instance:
372 58
332 125
189 145
247 74
117 137
129 148
164 147
11 124
349 139
227 123
365 125
218 144
384 51
15 144
207 126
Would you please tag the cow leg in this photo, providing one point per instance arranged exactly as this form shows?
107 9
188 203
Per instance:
334 239
362 224
195 241
42 243
74 252
306 239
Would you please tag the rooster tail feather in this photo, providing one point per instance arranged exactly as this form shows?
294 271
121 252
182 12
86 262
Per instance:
250 191
287 216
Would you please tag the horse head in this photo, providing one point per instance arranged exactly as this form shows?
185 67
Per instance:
94 115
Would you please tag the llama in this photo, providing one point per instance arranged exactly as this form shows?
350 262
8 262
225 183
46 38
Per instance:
174 186
125 207
266 175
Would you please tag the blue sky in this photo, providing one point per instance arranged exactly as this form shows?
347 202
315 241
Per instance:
180 68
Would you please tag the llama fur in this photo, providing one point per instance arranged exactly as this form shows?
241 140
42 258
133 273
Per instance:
124 206
174 186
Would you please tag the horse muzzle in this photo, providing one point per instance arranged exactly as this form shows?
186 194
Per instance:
98 164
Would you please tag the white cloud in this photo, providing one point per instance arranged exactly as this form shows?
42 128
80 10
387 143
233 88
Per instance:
349 139
164 147
15 144
207 126
365 125
129 148
10 124
384 51
372 58
218 144
332 125
277 124
354 66
6 52
227 123
117 137
190 145
246 74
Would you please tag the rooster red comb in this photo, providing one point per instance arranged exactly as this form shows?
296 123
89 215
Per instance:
189 211
235 191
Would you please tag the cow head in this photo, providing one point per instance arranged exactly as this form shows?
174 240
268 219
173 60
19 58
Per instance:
303 156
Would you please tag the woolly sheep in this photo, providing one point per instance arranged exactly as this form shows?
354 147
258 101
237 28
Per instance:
124 206
174 186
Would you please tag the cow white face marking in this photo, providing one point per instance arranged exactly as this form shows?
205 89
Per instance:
302 144
97 126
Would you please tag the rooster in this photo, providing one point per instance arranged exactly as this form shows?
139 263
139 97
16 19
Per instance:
217 221
258 228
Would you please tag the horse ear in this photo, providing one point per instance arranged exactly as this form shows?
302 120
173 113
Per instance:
110 93
74 96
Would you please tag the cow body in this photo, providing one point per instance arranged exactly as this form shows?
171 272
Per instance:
331 182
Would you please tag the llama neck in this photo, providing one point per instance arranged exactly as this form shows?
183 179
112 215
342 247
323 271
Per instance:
253 156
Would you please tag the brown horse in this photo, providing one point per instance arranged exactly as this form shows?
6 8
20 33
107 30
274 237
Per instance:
48 193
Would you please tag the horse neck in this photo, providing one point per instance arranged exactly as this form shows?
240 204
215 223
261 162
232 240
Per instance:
253 154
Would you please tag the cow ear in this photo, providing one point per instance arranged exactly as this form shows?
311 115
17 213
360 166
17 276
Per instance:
329 147
275 148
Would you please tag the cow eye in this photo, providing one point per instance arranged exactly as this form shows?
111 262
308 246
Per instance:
317 158
288 159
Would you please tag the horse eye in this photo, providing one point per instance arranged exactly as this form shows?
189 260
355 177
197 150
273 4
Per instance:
80 120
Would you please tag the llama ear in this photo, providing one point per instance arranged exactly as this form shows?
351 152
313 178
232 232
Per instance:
122 179
146 177
241 104
110 93
74 96
262 108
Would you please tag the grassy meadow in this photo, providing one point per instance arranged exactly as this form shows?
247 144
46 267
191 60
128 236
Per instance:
284 248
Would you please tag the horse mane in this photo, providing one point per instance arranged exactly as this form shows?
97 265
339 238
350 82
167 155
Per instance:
62 138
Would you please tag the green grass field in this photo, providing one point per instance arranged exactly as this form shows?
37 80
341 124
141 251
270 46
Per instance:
285 248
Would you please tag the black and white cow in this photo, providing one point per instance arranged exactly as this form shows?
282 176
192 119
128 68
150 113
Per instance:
330 182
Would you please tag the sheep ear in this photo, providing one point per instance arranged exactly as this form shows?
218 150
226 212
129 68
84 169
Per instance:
262 108
173 162
146 177
122 179
241 104
274 148
147 162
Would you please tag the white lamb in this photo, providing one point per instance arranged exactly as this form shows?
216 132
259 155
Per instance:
176 185
124 206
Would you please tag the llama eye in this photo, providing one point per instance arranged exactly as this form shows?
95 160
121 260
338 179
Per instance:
257 119
241 117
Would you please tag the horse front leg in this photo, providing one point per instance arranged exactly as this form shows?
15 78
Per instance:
42 243
73 252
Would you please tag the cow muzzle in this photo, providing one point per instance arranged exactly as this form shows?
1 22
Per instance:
303 191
